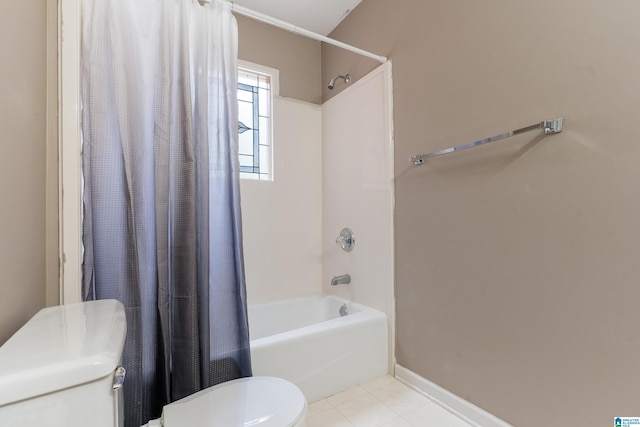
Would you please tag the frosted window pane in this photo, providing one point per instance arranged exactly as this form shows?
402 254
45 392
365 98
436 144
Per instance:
246 160
247 79
245 143
264 101
245 95
265 135
245 114
265 159
263 81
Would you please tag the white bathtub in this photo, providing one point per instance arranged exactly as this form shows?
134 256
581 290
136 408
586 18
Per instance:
307 342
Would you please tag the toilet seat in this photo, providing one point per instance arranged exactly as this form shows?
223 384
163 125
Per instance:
255 401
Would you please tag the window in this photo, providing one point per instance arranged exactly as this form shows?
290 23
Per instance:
255 94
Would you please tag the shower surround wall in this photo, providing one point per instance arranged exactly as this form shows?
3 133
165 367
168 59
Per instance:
517 262
357 155
329 174
282 220
322 155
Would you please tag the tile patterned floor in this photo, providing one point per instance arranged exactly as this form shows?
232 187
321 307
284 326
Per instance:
380 402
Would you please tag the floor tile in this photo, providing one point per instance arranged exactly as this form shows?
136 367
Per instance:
366 411
380 402
330 418
400 398
318 407
400 422
346 395
378 383
433 415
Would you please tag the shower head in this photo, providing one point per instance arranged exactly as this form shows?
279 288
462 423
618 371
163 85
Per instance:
333 80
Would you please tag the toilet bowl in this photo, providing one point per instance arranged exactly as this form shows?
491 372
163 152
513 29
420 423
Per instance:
61 368
256 401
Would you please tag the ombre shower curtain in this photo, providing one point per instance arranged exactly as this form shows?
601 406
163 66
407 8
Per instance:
162 230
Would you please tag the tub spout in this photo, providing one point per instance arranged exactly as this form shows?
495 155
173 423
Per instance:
341 280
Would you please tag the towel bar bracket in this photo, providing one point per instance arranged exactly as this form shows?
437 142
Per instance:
553 126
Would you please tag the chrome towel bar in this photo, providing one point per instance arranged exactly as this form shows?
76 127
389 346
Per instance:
549 126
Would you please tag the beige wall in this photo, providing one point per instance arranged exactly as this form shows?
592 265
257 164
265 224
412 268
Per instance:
517 273
23 163
297 57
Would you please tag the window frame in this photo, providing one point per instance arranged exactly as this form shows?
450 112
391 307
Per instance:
273 75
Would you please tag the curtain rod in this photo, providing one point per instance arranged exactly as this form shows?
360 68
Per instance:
297 30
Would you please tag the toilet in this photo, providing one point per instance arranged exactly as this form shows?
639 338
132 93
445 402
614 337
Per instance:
62 369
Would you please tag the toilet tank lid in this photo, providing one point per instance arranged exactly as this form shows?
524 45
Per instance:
60 347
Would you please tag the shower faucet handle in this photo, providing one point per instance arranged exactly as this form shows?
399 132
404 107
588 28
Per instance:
346 239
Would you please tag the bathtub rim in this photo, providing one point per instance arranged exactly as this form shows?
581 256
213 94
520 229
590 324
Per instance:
361 314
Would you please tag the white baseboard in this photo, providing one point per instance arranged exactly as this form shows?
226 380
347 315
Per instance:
467 411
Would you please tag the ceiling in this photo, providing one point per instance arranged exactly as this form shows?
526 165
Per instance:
318 16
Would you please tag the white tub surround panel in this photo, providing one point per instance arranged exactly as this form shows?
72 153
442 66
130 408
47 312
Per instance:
282 219
358 191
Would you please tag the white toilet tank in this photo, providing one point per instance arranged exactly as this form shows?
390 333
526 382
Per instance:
59 368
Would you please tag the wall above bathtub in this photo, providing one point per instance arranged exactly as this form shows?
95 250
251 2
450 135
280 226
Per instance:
282 219
333 168
357 192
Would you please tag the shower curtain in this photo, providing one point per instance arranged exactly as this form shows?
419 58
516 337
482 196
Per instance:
162 230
